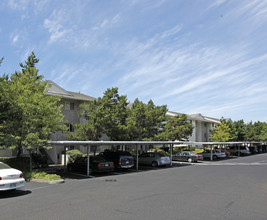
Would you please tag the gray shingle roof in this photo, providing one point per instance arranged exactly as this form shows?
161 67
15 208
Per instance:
56 90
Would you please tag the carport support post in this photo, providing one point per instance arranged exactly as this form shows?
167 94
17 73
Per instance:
171 148
65 158
137 157
88 160
211 156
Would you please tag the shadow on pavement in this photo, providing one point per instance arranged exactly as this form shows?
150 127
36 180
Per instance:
14 193
82 175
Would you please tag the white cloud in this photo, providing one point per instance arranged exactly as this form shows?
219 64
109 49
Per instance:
56 27
216 3
18 5
252 13
14 38
107 23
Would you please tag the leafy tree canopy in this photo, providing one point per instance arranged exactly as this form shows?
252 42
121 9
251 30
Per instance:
145 120
221 133
30 115
176 128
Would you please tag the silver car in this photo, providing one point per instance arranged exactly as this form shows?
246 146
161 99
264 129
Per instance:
215 154
188 156
154 159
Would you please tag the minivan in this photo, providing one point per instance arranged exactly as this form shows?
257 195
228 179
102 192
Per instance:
121 159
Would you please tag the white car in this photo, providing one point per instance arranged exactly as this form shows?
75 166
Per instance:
10 178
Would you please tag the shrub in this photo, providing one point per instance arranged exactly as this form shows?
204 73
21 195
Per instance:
159 150
198 151
21 163
74 154
45 176
39 160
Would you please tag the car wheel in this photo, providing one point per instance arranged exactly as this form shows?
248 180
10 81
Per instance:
154 164
189 160
214 157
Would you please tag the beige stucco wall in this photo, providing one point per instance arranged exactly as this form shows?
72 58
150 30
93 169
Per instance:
201 131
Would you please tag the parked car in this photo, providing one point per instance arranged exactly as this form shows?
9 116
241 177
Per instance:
238 150
187 156
121 159
153 159
215 154
10 178
97 164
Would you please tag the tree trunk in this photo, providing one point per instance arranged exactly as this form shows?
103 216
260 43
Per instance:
30 162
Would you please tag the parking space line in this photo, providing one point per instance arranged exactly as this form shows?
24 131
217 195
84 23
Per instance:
233 164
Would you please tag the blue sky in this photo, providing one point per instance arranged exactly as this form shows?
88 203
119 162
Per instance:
195 56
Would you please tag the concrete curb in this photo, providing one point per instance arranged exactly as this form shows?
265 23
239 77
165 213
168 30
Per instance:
48 181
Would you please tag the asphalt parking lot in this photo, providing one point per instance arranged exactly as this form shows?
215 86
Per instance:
229 189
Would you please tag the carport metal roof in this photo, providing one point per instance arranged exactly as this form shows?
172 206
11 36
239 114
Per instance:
88 144
141 142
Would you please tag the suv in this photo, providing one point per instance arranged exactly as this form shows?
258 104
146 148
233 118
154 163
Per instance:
241 150
121 159
215 154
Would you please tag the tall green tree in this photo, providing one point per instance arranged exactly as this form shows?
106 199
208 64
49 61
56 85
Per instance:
238 130
115 114
255 131
176 128
5 110
263 133
258 127
221 133
36 114
250 132
92 129
107 114
145 120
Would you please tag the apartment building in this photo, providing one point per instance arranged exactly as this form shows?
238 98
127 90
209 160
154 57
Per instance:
202 126
71 102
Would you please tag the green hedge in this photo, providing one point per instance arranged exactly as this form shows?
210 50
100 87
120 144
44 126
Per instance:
23 163
74 154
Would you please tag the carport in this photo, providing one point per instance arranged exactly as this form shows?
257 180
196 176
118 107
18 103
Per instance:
137 145
211 145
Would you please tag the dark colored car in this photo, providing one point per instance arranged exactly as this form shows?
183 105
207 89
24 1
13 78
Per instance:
121 159
97 165
187 156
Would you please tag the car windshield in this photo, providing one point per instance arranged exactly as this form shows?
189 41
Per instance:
124 153
192 153
4 166
97 159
